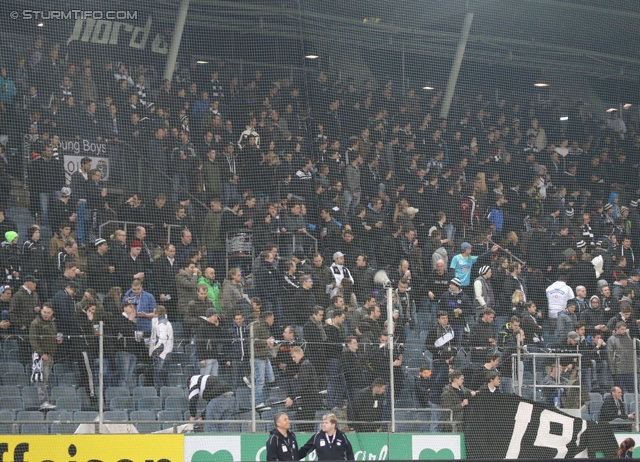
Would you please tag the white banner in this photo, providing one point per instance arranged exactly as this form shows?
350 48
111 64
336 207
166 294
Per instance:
72 165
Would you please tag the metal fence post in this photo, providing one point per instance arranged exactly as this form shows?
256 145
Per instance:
101 375
253 378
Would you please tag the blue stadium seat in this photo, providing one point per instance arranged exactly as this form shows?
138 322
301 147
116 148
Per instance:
11 367
34 429
12 403
57 428
85 416
6 427
172 416
9 390
68 379
144 427
59 416
116 416
243 395
177 380
176 403
29 415
121 403
30 398
165 392
68 403
113 392
59 391
149 403
19 379
144 392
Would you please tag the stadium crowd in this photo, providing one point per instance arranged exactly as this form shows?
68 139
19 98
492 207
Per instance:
498 221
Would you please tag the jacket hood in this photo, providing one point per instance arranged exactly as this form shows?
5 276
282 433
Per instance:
591 305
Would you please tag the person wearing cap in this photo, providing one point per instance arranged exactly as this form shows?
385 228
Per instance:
99 270
457 305
11 259
462 263
209 336
132 266
339 272
566 320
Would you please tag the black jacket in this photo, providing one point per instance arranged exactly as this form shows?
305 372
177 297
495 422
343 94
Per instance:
337 447
367 408
98 274
281 448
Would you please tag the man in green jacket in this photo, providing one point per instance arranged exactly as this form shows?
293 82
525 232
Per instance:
44 342
208 278
455 396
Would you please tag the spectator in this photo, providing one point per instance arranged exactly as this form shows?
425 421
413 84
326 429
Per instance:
566 320
210 338
482 336
483 290
558 294
160 345
186 285
232 292
368 407
455 396
316 339
208 278
263 342
145 305
164 272
461 264
613 408
129 348
620 357
99 271
44 342
304 385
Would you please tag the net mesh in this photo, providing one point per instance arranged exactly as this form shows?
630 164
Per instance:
232 220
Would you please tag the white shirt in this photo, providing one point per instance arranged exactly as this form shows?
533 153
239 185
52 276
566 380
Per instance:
558 294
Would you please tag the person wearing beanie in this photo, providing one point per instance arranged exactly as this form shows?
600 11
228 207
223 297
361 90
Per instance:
483 291
455 306
11 260
132 266
462 263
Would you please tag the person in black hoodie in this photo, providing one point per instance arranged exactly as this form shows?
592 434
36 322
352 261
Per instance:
282 443
209 336
329 443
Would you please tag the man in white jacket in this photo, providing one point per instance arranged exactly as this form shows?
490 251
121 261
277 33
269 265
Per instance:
160 345
558 294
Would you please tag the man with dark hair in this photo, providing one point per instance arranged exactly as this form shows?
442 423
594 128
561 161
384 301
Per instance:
44 343
455 396
492 383
620 357
478 373
368 407
482 336
443 336
316 338
282 444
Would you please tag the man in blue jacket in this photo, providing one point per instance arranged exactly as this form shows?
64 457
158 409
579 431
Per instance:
145 304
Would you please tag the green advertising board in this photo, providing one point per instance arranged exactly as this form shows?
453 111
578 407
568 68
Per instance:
366 446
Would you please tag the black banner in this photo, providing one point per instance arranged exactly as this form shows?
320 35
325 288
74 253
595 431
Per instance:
500 426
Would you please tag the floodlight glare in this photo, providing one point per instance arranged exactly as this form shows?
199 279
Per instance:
627 106
312 56
40 24
202 62
541 84
564 118
611 109
427 88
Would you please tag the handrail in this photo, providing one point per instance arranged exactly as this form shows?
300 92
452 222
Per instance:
137 223
175 423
